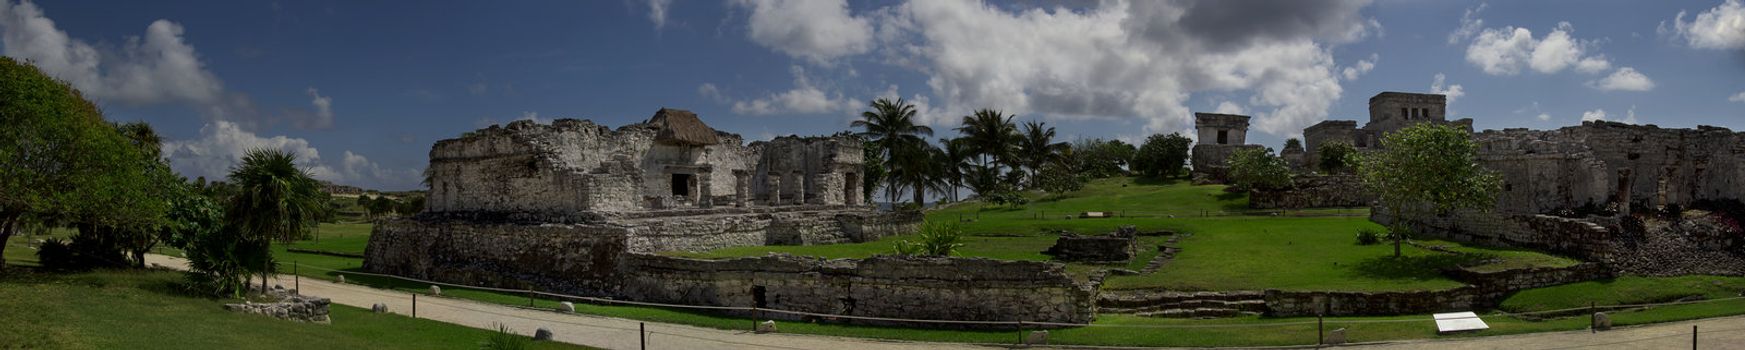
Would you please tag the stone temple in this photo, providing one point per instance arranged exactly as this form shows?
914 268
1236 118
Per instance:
577 208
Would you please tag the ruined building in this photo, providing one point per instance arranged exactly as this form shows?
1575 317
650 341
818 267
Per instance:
578 208
1388 111
1220 135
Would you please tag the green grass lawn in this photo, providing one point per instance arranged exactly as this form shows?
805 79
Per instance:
338 238
144 309
1624 290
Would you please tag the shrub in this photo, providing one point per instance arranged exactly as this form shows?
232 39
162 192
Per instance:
1056 178
55 254
938 238
504 339
1368 236
1258 168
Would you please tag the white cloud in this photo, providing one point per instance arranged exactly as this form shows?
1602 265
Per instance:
1739 97
1625 79
709 91
1469 24
1438 85
657 10
1544 117
1140 60
1722 27
222 144
818 31
1228 107
1600 114
805 98
1507 50
155 68
1362 67
323 117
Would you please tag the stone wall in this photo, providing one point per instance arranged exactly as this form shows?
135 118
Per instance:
1314 191
1211 162
289 306
1593 238
1484 290
893 287
1606 163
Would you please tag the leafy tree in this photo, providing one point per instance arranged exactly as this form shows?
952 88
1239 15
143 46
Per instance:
1162 156
1428 168
872 169
892 127
59 159
1099 158
1293 143
1336 157
1037 148
412 205
276 201
191 215
1258 168
383 205
1057 178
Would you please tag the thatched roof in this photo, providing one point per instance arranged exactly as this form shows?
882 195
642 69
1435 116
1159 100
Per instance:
682 127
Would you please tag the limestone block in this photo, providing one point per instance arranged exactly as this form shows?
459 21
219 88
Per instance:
767 327
379 308
435 290
1336 337
341 279
566 307
1037 338
542 334
1602 321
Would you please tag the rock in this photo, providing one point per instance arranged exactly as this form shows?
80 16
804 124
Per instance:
1336 337
342 279
542 335
1602 321
1123 272
1036 338
767 327
379 308
435 290
566 307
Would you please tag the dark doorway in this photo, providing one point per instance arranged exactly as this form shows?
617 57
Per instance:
757 297
1223 137
682 185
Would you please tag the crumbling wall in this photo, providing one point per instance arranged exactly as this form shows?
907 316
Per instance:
1595 239
1314 191
1211 162
1483 290
894 287
580 259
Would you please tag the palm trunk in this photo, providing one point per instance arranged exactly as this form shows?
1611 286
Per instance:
8 221
920 195
1398 223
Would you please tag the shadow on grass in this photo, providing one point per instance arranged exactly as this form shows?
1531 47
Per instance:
1157 181
1421 267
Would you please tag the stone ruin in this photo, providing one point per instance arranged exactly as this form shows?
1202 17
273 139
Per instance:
1388 111
578 208
1573 190
1220 135
1118 246
289 306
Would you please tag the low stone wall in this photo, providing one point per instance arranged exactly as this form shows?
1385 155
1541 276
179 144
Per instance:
290 307
1594 239
1484 290
1314 191
892 287
1116 247
576 259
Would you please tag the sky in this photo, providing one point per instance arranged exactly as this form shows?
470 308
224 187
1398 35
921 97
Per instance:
362 89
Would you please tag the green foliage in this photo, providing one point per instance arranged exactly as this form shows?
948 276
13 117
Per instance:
1336 157
937 238
1037 149
1099 158
275 200
891 126
872 168
1293 143
1258 168
1368 236
1428 167
504 339
1057 178
1162 156
191 215
1006 197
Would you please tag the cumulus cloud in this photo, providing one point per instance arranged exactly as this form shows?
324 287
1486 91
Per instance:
323 115
1739 97
709 91
1544 117
1361 67
1625 79
1470 24
804 98
1228 107
1722 27
818 31
657 12
1600 114
1140 60
1438 85
1508 50
222 144
158 67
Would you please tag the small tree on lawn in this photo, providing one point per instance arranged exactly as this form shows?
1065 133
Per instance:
276 201
1162 156
1428 168
1257 168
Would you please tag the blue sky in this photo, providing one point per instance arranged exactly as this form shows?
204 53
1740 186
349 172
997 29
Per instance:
363 89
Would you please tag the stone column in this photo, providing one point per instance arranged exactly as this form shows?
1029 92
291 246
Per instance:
1624 192
799 188
740 189
705 195
773 188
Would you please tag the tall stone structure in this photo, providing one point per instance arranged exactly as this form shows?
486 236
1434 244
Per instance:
1388 111
1219 136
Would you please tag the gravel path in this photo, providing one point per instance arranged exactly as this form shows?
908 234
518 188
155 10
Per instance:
614 333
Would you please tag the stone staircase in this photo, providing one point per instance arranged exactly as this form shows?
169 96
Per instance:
1173 304
1165 253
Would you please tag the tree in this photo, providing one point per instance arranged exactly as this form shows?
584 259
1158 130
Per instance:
891 126
58 158
383 205
1037 148
276 201
1428 167
872 169
954 158
1058 178
1162 156
992 138
1293 143
1099 158
1336 157
1257 168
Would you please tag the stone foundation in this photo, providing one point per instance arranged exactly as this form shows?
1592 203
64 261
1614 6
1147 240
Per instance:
1314 191
1484 290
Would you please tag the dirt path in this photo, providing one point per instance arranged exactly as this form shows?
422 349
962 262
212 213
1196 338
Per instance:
615 333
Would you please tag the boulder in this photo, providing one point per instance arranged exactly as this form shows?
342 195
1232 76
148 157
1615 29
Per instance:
435 290
1602 321
542 335
1336 337
767 327
379 308
1036 338
342 279
566 307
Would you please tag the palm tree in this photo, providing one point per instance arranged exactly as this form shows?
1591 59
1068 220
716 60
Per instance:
954 158
1037 148
891 127
992 137
275 200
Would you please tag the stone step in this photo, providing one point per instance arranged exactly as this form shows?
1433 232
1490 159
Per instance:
1197 313
1255 305
1139 299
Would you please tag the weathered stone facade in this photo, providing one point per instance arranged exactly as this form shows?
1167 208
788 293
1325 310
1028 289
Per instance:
1220 135
1388 111
1484 290
1113 247
1314 191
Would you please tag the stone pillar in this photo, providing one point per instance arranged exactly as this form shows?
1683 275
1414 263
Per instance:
705 195
740 188
799 182
1624 192
773 188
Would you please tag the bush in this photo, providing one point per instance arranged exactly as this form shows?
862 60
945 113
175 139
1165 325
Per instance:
1368 237
1162 156
504 339
1055 178
1257 168
87 250
938 238
55 254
